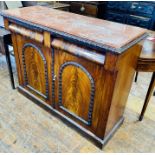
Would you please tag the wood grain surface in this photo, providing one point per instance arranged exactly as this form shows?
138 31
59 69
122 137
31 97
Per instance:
26 32
35 70
76 91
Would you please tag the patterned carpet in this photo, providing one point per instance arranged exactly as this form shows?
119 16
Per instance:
25 127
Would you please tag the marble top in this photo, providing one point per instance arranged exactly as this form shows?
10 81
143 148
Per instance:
111 34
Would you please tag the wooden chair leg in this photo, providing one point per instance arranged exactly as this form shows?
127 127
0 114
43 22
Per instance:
148 96
136 76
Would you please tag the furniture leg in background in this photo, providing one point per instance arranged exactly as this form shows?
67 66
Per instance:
136 76
5 38
8 60
146 63
148 96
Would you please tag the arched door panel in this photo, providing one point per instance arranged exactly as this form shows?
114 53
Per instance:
35 70
76 91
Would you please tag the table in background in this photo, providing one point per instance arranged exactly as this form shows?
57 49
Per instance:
146 63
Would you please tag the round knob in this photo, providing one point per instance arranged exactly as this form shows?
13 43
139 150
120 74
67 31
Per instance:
134 7
54 78
82 9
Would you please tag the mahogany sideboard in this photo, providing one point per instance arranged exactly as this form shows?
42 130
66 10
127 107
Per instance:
76 67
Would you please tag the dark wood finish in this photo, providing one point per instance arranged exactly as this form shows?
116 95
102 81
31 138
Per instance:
136 76
88 8
4 34
81 83
8 60
140 14
55 5
84 8
146 63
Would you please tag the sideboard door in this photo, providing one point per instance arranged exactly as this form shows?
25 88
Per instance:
76 87
35 69
76 91
34 60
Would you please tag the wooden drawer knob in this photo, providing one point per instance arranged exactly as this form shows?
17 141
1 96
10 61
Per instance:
82 9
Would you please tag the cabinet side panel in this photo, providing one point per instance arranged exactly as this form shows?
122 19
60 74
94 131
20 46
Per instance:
126 66
107 92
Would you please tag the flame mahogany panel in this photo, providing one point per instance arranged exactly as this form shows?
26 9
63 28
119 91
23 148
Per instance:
33 66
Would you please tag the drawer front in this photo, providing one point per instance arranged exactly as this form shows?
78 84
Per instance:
34 35
112 5
118 5
63 9
142 8
85 9
137 21
115 17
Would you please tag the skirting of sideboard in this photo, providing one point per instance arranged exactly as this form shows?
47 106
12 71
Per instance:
97 141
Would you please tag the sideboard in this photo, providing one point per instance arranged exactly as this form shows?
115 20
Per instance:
76 67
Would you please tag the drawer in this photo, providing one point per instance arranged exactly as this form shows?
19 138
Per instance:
84 9
33 35
115 17
142 8
139 21
112 5
122 6
63 9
